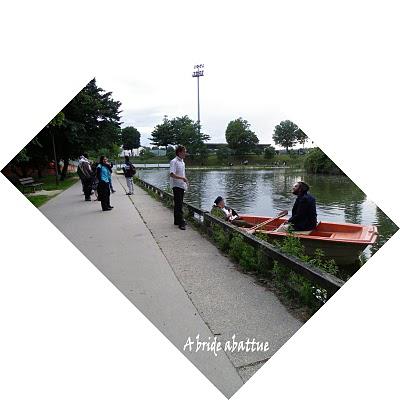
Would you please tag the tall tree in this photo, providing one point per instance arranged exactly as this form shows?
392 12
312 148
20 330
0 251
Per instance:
163 134
301 137
239 136
188 133
91 122
180 130
285 134
269 152
130 137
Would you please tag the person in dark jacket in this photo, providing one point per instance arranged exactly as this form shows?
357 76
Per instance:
129 171
103 188
304 213
85 172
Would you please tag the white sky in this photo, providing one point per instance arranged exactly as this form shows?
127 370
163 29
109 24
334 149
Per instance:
171 90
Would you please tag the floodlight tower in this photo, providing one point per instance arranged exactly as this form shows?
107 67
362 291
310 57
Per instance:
197 73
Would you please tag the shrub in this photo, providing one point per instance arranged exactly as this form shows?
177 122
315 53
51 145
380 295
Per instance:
316 161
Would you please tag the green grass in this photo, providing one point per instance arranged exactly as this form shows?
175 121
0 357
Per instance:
49 182
38 200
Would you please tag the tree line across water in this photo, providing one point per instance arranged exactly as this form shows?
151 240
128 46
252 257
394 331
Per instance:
90 123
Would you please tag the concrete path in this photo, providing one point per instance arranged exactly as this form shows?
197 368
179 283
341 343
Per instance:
123 249
230 302
177 279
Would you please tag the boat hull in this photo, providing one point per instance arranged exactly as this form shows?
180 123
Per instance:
341 242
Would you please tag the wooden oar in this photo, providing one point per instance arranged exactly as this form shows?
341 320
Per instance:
260 225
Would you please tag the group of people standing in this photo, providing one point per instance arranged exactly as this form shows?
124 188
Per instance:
96 179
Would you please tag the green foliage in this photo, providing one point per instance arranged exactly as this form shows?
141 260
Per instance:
317 162
145 154
239 136
130 137
90 121
170 153
188 133
181 130
269 152
163 134
243 253
286 134
220 237
38 200
112 152
224 153
291 282
301 137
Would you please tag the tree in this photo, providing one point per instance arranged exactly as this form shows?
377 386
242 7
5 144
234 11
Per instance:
301 137
223 153
170 153
130 137
285 134
90 121
163 134
239 136
269 152
188 133
317 162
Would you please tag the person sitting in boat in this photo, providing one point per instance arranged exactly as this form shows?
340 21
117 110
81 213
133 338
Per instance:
220 210
304 213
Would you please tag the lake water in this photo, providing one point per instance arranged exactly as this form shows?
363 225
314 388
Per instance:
265 192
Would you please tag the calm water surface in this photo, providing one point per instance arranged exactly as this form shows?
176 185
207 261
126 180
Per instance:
265 192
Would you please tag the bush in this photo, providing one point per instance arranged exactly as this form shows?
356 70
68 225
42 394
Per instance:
170 153
224 153
317 162
269 152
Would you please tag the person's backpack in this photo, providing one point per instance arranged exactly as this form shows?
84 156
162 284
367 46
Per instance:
129 170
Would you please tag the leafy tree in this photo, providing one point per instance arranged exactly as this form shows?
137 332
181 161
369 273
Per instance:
90 121
301 137
269 152
163 134
239 136
318 162
188 133
285 134
224 153
170 153
130 137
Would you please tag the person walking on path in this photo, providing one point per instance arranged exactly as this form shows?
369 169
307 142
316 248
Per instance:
103 188
129 171
86 176
179 184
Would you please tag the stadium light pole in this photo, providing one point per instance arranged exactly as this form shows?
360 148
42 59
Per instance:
197 73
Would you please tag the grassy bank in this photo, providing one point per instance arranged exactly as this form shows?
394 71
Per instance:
294 161
50 186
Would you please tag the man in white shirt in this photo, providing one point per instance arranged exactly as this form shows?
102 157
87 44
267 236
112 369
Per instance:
179 184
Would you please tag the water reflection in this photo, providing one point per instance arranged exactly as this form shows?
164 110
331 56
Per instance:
266 192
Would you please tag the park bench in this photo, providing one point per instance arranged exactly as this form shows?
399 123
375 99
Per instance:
29 183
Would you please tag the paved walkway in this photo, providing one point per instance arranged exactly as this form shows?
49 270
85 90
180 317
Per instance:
177 279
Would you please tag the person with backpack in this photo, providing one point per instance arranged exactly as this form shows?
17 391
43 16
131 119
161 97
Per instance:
129 171
85 172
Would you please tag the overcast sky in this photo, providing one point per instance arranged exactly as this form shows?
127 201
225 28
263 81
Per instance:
149 93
